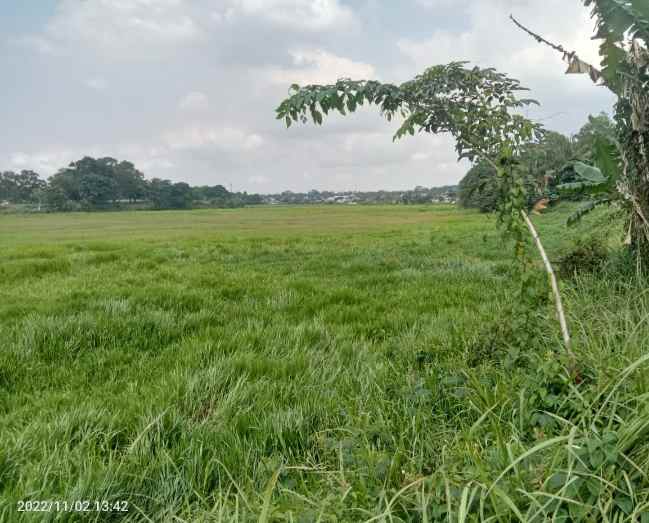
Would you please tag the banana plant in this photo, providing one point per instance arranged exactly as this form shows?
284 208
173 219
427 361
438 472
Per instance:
622 27
597 184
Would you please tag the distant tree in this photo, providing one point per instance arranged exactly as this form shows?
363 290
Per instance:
584 141
478 189
165 194
20 187
64 185
97 190
131 185
216 195
180 196
57 198
28 183
539 162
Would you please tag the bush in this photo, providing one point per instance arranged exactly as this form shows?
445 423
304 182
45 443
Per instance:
588 256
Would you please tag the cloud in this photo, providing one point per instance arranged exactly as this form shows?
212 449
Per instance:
199 136
194 101
156 62
259 180
316 66
44 162
302 15
156 164
491 39
123 29
420 157
96 83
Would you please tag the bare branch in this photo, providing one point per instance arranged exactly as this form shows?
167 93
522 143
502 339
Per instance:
575 64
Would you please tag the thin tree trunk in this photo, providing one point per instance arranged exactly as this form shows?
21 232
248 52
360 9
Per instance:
555 286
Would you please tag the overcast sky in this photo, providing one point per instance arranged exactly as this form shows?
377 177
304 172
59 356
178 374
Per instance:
186 89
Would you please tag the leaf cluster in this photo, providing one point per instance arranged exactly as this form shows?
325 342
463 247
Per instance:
617 22
478 107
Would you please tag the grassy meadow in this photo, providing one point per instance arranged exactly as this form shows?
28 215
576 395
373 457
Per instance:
334 363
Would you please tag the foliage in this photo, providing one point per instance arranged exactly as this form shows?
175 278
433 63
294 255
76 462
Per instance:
93 183
618 22
476 106
478 189
23 187
167 195
597 185
588 255
623 29
538 165
598 127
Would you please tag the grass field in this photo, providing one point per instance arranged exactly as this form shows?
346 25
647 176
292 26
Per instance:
339 363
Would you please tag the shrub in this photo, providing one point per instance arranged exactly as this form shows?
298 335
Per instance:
588 256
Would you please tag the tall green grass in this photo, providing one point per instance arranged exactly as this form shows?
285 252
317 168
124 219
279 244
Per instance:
313 364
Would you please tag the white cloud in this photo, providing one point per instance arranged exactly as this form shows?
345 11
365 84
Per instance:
436 4
200 136
121 29
44 162
194 101
492 39
307 15
96 83
420 157
154 164
259 180
225 16
316 66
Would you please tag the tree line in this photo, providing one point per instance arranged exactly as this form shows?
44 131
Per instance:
106 183
547 164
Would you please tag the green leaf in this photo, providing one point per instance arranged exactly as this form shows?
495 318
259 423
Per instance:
607 158
588 173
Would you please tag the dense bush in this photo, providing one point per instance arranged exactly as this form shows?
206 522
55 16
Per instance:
587 256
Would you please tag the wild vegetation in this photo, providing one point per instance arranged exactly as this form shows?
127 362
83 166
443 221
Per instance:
544 167
623 32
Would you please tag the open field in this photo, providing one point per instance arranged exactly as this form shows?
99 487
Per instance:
336 363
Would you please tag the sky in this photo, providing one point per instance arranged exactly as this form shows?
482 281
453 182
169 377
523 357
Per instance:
187 89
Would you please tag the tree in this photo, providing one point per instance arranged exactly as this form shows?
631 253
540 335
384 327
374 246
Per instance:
130 182
167 195
478 188
20 187
88 182
27 184
92 183
539 163
65 184
623 28
597 126
478 107
97 190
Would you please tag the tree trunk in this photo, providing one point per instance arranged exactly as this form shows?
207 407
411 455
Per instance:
637 175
